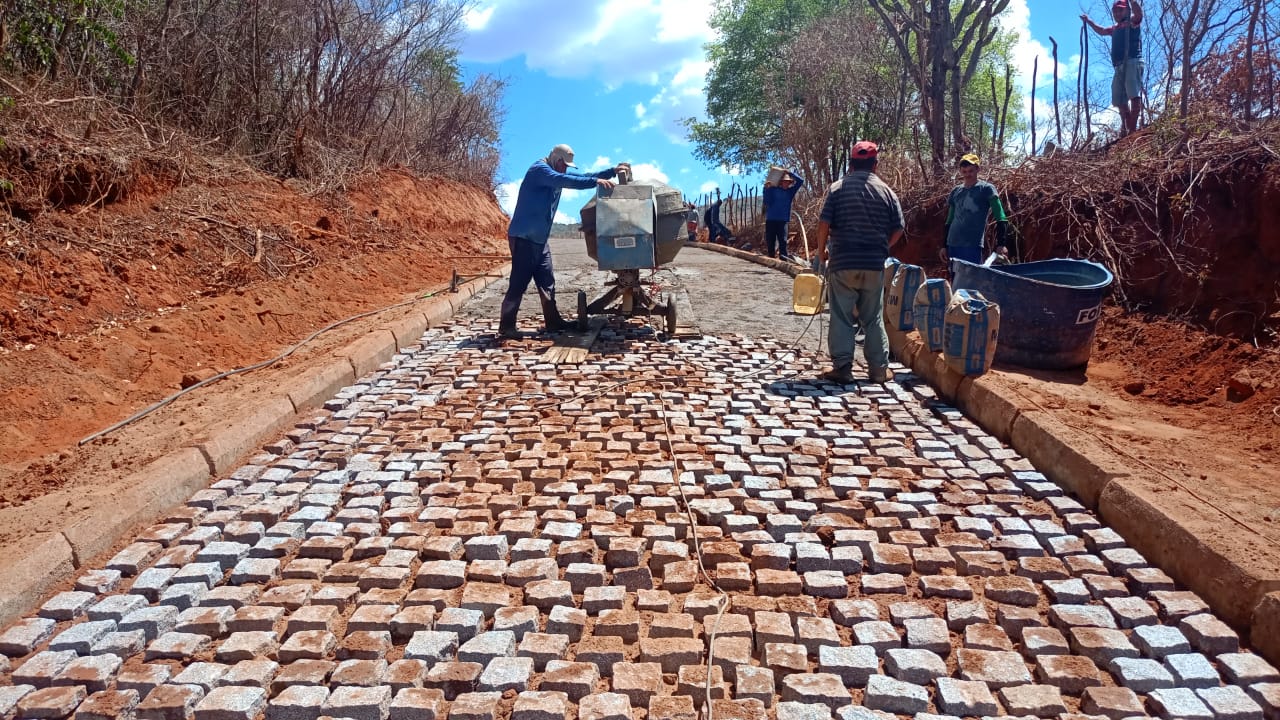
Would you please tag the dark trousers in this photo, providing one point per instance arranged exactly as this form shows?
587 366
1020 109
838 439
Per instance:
718 232
775 237
529 261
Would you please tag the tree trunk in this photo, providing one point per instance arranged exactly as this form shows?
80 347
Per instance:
1248 59
1184 104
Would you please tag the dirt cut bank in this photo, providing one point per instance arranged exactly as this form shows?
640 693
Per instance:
109 308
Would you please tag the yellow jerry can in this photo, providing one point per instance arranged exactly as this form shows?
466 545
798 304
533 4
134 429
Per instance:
806 294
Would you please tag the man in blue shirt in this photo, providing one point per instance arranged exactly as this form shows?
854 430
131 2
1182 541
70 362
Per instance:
968 207
531 227
777 213
1126 58
716 229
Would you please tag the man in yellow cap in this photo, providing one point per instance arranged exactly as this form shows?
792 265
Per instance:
968 207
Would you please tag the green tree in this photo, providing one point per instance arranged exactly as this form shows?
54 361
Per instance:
743 129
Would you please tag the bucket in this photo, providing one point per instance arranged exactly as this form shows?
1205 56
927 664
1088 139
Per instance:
1049 308
806 294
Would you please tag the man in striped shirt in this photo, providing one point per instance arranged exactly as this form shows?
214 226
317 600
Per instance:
861 222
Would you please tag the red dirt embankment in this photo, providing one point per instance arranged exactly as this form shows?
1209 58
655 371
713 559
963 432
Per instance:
105 310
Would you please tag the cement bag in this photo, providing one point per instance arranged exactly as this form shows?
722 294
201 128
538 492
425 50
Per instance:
898 307
890 269
930 308
970 332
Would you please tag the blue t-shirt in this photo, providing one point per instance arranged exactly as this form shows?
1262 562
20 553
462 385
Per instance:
539 197
967 214
777 200
1126 42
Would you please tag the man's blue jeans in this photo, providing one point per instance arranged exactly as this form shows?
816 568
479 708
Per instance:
968 253
860 294
529 261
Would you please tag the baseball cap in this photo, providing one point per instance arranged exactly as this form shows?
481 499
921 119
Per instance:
970 159
865 150
561 152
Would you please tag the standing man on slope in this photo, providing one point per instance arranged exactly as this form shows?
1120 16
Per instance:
862 218
967 209
777 213
1126 58
531 227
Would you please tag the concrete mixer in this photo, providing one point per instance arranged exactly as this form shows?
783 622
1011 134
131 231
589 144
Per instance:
629 228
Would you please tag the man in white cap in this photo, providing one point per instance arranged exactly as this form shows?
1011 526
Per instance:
531 227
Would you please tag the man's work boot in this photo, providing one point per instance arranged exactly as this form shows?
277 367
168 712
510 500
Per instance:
879 375
507 321
551 315
842 375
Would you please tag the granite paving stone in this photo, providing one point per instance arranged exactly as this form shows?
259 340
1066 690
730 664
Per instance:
470 532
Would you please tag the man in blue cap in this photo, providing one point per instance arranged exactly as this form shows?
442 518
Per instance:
530 229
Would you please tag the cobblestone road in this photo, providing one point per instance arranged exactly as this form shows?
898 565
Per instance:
472 535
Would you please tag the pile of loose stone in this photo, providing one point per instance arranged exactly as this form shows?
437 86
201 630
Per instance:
471 535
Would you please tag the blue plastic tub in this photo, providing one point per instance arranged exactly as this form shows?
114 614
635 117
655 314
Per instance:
1049 309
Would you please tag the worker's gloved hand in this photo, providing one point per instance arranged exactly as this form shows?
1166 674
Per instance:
1002 233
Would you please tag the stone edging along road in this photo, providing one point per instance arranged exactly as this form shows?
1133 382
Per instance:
1189 544
172 478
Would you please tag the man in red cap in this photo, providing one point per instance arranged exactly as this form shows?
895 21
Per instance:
1126 58
862 219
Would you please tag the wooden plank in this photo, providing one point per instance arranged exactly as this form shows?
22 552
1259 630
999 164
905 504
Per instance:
686 319
572 346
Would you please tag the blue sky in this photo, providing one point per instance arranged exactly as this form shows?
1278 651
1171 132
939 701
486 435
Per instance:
614 79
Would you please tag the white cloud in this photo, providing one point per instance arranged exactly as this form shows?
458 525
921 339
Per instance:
476 19
649 172
617 41
507 194
649 42
1026 49
683 96
708 186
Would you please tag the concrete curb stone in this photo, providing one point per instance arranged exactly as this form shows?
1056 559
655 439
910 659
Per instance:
236 437
162 484
45 560
1235 588
1241 590
1265 631
40 561
367 353
409 328
312 390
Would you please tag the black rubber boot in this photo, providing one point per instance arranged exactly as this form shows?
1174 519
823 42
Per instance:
551 314
507 322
